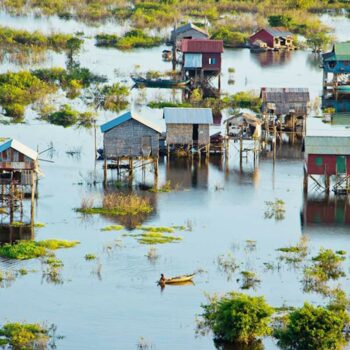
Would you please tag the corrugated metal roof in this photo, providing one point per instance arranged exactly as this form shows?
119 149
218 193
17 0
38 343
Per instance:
278 31
334 144
340 52
202 46
187 27
188 115
286 99
18 146
125 117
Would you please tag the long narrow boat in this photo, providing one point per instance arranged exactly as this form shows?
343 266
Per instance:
178 279
160 83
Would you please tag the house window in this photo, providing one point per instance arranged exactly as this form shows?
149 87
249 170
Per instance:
212 60
318 161
276 40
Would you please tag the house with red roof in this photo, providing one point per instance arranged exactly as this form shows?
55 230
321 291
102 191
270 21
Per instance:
274 38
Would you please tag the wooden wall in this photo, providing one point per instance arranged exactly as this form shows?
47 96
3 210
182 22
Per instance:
12 159
182 134
127 139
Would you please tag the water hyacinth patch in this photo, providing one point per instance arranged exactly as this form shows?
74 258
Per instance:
112 228
24 250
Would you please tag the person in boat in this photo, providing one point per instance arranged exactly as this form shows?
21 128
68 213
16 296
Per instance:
162 279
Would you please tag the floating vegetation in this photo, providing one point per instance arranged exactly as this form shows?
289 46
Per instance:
89 257
250 245
119 204
275 209
236 318
250 279
154 238
39 225
113 228
227 264
161 229
295 254
313 327
24 336
24 250
164 188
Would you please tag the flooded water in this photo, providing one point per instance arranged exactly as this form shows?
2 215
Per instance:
220 201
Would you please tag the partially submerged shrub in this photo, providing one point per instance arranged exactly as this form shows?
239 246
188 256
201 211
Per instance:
23 336
311 327
250 279
120 204
227 264
89 257
236 317
295 254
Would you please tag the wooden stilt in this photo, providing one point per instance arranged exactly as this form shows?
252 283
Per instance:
105 170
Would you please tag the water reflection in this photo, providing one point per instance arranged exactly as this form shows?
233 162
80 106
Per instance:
10 233
187 172
328 212
272 58
257 345
340 105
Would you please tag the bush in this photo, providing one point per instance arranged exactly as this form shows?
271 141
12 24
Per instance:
15 110
236 317
231 38
310 328
23 336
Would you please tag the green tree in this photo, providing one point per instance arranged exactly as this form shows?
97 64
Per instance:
236 317
311 328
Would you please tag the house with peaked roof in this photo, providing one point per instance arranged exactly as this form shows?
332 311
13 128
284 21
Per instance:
338 59
130 135
18 163
188 126
274 38
188 31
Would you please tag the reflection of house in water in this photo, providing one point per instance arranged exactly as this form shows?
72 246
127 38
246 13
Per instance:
186 172
326 213
340 105
10 233
270 58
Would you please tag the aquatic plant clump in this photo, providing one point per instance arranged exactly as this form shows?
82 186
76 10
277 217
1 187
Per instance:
236 317
24 250
250 279
113 228
295 254
120 204
24 336
155 238
311 327
275 209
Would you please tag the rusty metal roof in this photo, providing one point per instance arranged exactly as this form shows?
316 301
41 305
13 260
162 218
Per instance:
327 144
188 27
202 46
286 99
278 31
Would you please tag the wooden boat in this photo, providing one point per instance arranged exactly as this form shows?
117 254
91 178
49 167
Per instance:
178 279
160 83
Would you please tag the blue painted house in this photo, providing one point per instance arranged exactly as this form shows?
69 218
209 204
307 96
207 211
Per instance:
338 60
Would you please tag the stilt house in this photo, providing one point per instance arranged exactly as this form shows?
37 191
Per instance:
188 126
328 155
130 136
18 163
290 104
201 58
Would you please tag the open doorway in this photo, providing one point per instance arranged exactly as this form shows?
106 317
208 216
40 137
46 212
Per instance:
195 133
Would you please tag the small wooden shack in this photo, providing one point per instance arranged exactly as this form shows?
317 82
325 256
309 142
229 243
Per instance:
18 163
292 105
188 127
127 138
18 174
326 156
129 135
201 59
275 38
336 63
188 31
